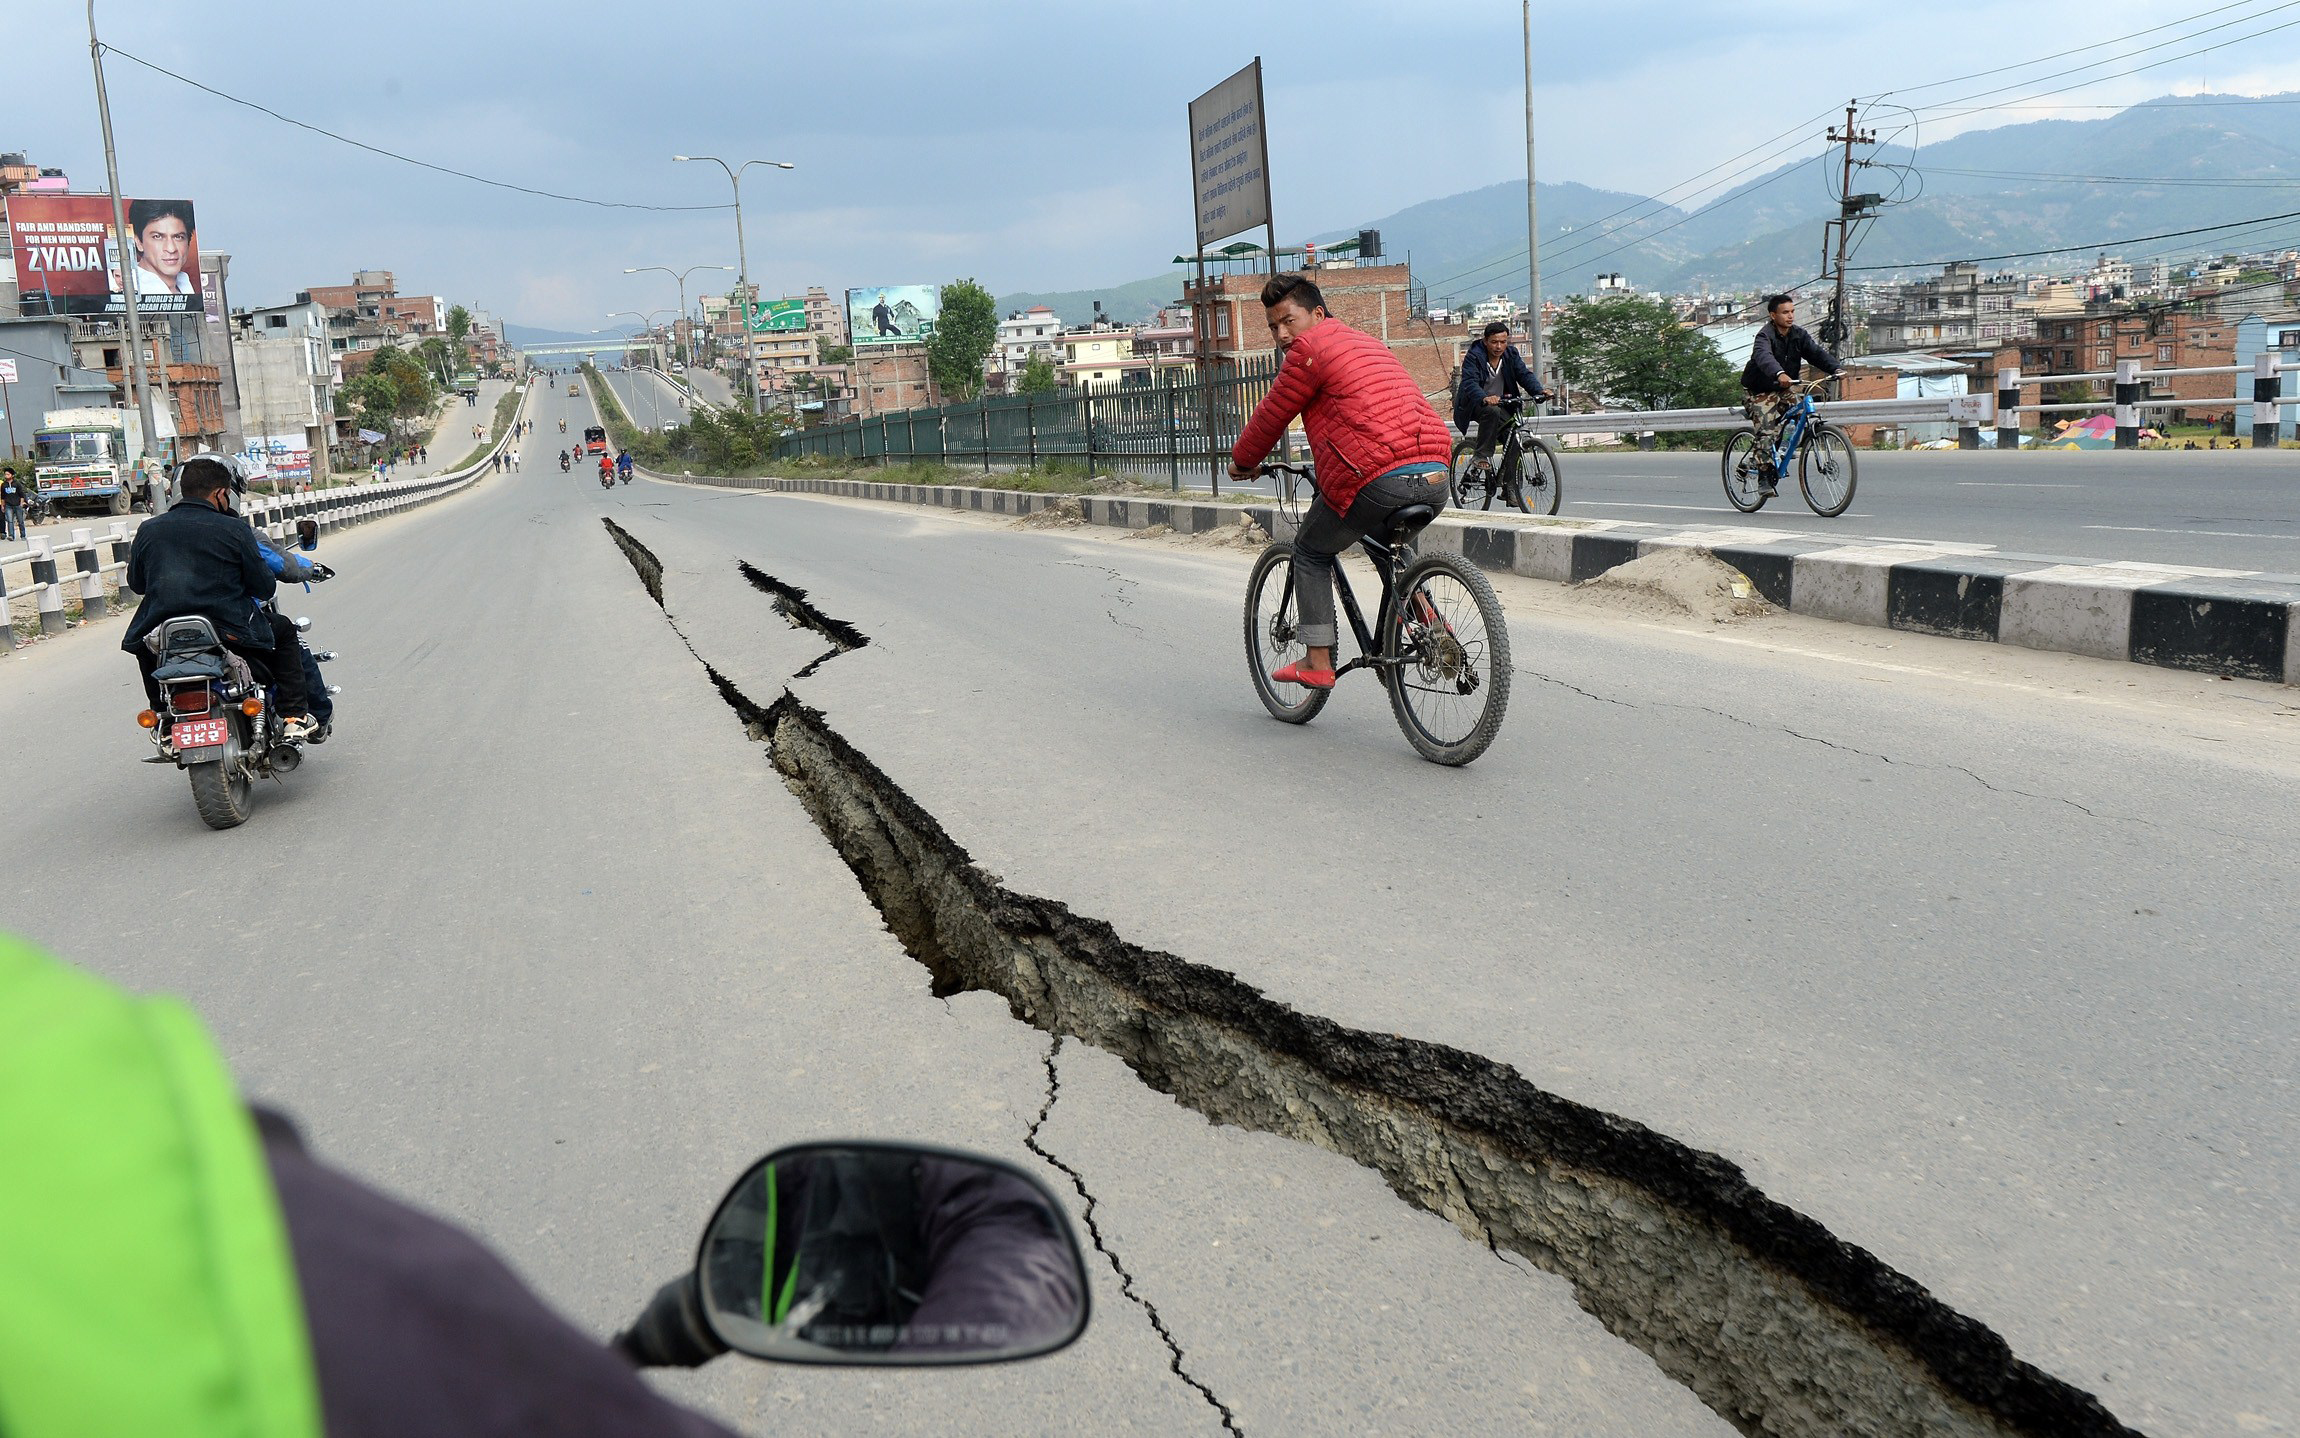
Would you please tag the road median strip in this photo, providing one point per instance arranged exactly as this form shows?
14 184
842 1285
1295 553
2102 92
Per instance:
2236 623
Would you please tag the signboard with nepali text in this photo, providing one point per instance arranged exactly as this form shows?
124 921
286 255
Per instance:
69 261
1230 156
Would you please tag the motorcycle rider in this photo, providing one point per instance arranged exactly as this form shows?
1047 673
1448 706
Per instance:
565 463
201 558
606 469
623 465
154 1227
290 565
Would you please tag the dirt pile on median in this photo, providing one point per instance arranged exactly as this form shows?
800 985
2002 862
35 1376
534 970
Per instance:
1678 584
1062 514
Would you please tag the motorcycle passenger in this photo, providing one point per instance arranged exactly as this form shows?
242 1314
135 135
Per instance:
1782 350
272 1295
1378 445
202 559
291 566
1491 372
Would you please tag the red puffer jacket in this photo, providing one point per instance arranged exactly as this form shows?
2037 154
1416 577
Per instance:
1361 410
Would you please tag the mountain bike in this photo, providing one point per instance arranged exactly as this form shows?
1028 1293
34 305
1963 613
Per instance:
1526 476
1826 469
1438 639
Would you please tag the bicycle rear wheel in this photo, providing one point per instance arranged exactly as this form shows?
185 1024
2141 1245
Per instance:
1271 638
1449 686
1826 471
1744 472
1467 493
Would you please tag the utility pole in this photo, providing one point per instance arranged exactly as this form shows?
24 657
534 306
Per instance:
1837 328
134 327
1532 211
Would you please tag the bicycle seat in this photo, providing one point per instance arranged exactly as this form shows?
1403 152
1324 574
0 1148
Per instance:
1410 521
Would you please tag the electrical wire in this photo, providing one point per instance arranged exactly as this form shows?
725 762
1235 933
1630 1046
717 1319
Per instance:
1942 111
2194 181
393 154
2078 50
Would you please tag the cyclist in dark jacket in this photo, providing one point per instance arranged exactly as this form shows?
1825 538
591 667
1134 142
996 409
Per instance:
1782 350
1491 372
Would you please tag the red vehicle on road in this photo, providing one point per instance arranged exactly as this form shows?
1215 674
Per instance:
595 440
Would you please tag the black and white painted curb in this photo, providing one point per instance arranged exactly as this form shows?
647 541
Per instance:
2214 621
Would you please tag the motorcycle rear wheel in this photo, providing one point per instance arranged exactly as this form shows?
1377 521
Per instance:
221 790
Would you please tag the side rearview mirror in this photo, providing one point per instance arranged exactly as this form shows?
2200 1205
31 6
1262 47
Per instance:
869 1253
307 534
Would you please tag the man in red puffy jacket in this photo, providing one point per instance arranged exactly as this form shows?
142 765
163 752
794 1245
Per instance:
1378 446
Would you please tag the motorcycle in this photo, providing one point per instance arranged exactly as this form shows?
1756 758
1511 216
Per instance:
606 479
565 464
215 721
866 1253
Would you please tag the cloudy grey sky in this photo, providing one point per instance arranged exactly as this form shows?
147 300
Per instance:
1031 145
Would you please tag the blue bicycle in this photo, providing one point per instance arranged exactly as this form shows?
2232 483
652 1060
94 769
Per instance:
1826 470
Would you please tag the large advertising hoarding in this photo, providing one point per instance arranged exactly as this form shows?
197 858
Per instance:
68 260
779 317
282 457
893 314
1230 157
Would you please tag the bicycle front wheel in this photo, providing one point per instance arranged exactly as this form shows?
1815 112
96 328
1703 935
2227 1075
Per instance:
1826 471
1272 638
1538 485
1448 652
1745 472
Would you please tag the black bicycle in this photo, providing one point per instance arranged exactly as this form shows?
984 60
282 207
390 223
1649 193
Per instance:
1442 648
1526 477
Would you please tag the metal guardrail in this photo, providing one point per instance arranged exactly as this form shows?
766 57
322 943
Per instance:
275 516
1943 409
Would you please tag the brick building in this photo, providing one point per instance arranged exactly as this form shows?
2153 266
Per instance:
888 378
1379 299
2158 338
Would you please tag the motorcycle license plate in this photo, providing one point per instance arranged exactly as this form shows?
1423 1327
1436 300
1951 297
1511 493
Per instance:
199 733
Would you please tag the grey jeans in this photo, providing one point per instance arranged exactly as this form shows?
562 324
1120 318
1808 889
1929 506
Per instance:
1325 535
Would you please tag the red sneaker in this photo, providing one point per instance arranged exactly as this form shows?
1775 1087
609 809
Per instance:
1307 678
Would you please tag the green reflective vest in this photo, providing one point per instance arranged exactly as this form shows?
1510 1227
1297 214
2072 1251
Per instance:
146 1286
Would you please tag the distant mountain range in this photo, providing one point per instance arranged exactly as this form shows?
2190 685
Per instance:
2178 163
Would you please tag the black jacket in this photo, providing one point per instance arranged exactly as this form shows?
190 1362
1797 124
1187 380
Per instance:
196 559
1776 354
1476 369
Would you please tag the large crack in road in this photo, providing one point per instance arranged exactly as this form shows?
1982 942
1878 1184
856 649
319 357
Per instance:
1775 1323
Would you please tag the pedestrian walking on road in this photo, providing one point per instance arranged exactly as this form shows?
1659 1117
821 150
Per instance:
515 459
11 505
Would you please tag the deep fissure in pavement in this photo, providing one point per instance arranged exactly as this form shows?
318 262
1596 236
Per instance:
1771 1320
791 602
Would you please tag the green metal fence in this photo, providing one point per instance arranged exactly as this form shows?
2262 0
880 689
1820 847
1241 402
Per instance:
1156 430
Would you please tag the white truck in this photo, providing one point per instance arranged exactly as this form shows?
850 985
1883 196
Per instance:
91 460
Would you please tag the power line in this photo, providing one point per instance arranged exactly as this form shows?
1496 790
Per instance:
1936 110
393 154
2203 181
2077 50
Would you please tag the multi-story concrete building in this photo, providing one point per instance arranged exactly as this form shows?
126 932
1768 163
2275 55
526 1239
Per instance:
1957 309
2156 337
1034 331
287 379
1100 357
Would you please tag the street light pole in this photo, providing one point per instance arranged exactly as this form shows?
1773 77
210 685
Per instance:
1532 212
742 258
135 329
654 407
681 277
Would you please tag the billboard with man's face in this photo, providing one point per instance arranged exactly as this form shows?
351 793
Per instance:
779 317
69 261
892 314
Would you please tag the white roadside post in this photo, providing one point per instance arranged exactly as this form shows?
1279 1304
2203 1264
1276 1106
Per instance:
84 558
51 597
2008 408
2127 397
2265 411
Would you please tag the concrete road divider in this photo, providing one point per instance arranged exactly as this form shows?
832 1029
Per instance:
2237 623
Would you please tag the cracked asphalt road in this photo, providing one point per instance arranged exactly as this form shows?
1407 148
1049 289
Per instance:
1979 957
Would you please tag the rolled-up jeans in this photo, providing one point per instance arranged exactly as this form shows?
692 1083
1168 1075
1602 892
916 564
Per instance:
1325 534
